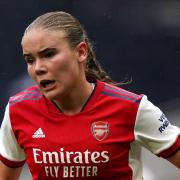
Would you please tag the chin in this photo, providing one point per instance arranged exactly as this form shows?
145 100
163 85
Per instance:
52 95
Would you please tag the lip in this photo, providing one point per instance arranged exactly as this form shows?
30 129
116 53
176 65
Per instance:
51 85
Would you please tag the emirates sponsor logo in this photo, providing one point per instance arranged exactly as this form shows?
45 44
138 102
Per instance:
68 157
70 164
100 130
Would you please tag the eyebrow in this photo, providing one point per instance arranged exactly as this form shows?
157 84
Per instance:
46 49
40 52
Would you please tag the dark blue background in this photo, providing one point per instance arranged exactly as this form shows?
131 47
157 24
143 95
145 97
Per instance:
133 39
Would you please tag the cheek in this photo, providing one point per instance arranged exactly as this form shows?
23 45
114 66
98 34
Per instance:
70 70
65 65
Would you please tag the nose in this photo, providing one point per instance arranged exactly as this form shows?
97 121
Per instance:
40 67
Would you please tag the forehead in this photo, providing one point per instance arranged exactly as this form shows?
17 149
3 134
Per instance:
37 39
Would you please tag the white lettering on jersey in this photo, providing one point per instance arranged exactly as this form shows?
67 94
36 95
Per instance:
69 157
66 157
51 171
36 154
79 171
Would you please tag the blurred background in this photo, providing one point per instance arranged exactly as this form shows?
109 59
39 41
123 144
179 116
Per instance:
138 40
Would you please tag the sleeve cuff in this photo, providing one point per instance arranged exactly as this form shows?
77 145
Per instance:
172 150
12 164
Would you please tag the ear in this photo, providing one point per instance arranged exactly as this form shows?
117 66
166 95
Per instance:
82 51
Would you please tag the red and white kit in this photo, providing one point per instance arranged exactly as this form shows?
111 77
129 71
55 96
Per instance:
101 142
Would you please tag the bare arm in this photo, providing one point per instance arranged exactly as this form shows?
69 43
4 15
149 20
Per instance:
175 159
7 173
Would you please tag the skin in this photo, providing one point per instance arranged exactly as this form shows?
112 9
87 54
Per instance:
7 173
175 159
52 58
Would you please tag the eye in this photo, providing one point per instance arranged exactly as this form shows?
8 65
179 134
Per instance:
29 59
49 54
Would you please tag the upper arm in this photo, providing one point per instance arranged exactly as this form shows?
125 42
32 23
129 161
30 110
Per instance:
7 173
10 148
175 159
155 132
11 153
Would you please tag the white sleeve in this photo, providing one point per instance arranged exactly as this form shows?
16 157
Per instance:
152 128
9 147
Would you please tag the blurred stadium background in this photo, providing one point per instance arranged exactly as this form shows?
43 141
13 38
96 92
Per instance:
138 40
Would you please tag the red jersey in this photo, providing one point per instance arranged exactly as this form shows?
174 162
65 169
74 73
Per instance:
103 141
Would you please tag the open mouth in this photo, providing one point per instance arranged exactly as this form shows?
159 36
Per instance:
47 83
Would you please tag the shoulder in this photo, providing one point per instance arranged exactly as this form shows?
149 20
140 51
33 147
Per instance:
30 94
120 93
154 131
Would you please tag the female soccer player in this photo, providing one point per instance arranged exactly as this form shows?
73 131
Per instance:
75 123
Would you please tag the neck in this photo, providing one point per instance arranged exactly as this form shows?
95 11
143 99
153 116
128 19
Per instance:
75 101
